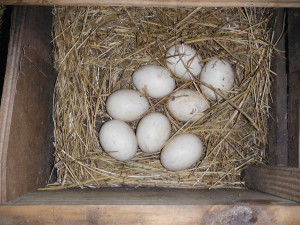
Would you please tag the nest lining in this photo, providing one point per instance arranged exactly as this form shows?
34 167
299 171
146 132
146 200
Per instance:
97 49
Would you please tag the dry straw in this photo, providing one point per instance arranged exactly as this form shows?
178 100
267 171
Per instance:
96 51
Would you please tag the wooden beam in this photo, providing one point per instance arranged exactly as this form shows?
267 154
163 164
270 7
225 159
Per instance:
280 181
294 87
187 3
150 214
149 206
149 196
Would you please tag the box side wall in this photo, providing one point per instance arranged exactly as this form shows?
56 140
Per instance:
26 113
277 151
294 87
283 125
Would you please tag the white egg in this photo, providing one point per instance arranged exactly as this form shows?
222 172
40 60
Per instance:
126 105
118 140
183 61
152 132
219 74
182 152
187 105
153 80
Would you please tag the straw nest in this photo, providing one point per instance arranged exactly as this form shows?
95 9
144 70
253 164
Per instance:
97 49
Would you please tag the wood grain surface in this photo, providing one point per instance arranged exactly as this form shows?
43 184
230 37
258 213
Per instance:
279 181
188 3
25 114
294 86
150 214
149 196
278 148
149 206
9 89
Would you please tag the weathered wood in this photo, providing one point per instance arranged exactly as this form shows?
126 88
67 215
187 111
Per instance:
25 115
280 181
149 196
189 3
8 97
4 40
149 206
294 87
150 214
278 122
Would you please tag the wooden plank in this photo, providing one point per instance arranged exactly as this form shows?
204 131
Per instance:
14 52
25 116
280 181
150 214
187 3
5 22
149 196
278 122
294 87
